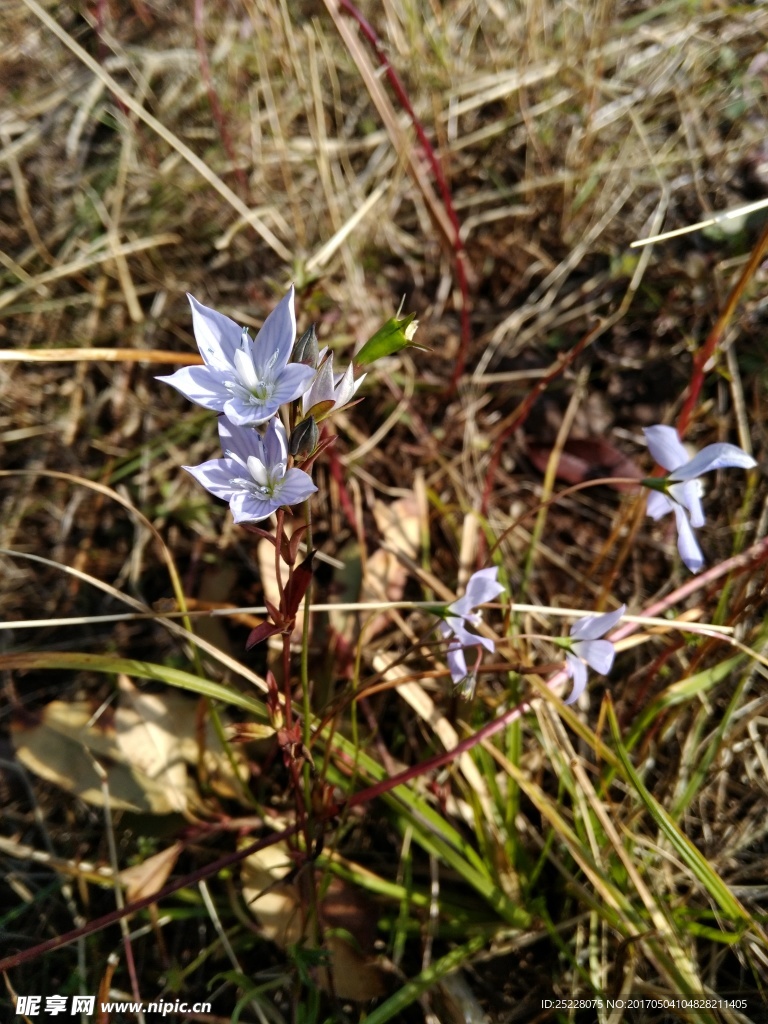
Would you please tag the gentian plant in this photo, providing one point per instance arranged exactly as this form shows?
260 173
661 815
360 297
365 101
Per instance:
482 587
254 476
246 380
680 491
585 646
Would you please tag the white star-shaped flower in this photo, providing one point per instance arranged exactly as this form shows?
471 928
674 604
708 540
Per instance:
246 380
253 476
587 648
682 488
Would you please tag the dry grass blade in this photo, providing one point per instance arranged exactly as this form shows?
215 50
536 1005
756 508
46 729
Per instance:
250 216
512 841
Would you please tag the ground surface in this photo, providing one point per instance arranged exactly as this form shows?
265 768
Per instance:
153 149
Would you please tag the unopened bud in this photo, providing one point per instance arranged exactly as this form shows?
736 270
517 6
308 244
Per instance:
304 439
395 334
306 350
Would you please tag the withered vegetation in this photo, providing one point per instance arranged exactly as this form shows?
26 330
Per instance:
149 149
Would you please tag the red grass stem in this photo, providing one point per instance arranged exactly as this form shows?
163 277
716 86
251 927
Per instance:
459 254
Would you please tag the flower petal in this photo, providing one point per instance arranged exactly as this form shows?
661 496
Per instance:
666 447
200 385
243 441
577 670
598 654
292 383
258 470
658 505
688 494
690 552
714 456
216 476
277 335
248 509
462 608
457 663
295 487
245 369
593 626
483 586
216 335
251 412
321 388
345 387
275 443
458 629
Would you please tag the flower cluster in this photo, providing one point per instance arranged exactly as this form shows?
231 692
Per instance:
247 381
585 645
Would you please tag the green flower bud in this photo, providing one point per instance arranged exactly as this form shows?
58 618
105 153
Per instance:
306 349
304 439
390 338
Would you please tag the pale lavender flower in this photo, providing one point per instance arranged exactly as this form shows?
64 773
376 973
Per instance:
482 586
682 488
253 476
329 390
246 380
587 648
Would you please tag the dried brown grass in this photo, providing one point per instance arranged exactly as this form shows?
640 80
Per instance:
565 132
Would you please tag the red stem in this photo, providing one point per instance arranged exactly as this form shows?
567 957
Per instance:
755 555
715 335
213 99
458 246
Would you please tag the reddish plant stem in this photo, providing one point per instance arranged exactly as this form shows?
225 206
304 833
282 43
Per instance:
287 698
715 335
213 99
17 959
337 472
749 559
520 415
459 253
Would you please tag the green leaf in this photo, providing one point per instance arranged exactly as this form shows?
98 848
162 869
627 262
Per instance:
694 860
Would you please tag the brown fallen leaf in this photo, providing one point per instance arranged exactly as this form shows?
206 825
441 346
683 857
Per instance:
143 747
62 746
146 733
282 909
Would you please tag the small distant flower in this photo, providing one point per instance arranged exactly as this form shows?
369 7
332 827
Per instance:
481 587
253 476
329 391
586 648
246 380
680 492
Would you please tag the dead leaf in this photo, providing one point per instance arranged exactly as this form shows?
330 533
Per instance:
147 736
144 747
385 576
61 746
399 524
177 715
149 877
347 918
